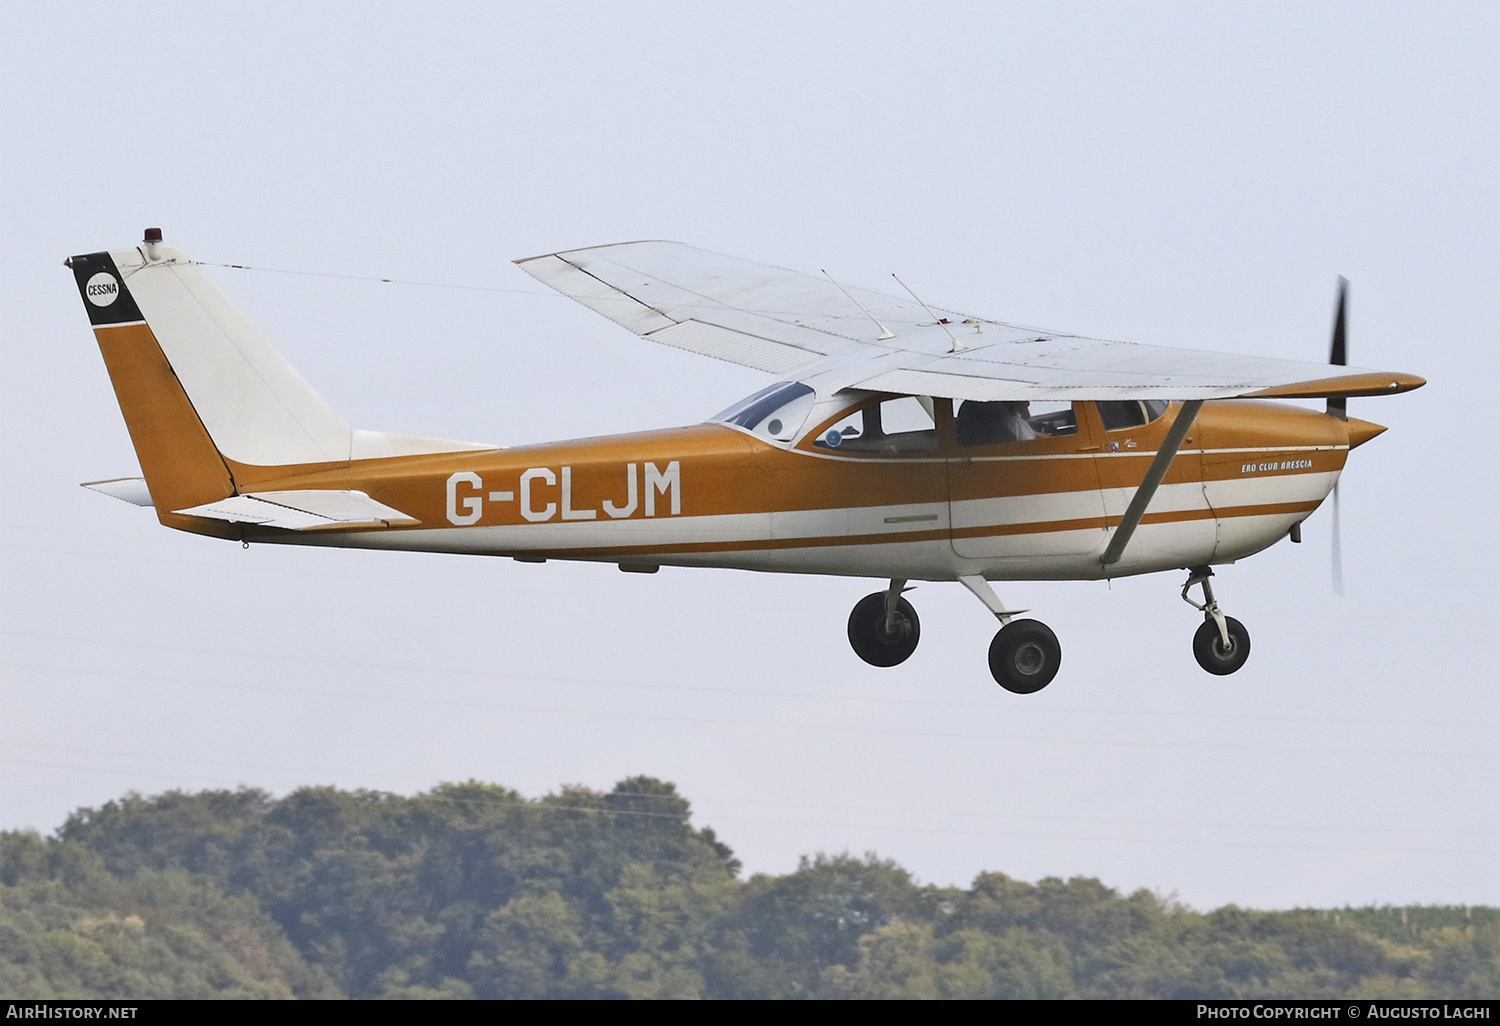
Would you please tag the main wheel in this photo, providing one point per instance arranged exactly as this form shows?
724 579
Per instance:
1209 650
1024 656
869 637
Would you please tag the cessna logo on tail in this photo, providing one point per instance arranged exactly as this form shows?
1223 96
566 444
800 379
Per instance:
540 503
102 289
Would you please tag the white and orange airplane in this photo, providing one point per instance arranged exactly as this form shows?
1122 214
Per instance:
900 442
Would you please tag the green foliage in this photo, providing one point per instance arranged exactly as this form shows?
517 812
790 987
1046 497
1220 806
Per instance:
70 929
467 889
471 890
795 927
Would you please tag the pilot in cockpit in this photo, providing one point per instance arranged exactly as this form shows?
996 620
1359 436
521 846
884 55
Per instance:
987 423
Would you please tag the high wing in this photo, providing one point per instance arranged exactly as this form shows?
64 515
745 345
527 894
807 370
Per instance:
806 328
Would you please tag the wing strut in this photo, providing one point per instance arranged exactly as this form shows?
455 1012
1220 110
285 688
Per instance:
1154 475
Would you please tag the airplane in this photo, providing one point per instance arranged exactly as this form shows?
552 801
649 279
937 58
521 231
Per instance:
899 442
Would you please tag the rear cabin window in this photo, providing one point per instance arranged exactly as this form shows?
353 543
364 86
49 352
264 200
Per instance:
891 427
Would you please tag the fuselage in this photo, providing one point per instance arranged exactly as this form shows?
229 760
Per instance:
936 507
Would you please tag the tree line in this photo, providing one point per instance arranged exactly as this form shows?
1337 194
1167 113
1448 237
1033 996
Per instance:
473 891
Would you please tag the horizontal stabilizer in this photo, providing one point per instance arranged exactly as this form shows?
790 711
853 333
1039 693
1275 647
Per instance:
131 489
302 510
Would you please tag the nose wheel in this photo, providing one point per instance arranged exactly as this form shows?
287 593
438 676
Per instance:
1211 652
1221 644
883 628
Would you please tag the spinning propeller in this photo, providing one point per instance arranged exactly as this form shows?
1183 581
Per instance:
1337 407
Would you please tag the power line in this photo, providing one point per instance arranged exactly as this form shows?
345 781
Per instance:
925 701
807 806
387 281
365 697
541 804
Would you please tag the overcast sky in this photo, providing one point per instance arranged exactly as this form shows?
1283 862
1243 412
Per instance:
1182 174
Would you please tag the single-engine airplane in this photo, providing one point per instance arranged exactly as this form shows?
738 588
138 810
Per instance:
900 442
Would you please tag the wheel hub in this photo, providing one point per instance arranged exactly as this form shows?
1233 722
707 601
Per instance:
1024 656
1030 658
1213 653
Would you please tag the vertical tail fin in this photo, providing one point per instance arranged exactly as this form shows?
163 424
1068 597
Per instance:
181 464
254 405
209 402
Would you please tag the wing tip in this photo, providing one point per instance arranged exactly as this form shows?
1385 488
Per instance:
1362 384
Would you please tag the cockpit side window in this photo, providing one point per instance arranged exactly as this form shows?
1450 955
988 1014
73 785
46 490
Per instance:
992 423
775 413
1118 416
1129 413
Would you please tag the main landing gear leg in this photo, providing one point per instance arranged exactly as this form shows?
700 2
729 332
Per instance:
883 628
1222 644
1025 655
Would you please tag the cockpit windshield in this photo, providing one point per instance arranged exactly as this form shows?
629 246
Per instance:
775 413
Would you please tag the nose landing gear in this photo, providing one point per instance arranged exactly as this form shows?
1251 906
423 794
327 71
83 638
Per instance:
1221 644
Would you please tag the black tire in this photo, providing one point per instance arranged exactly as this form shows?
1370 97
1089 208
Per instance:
1208 647
1025 656
869 638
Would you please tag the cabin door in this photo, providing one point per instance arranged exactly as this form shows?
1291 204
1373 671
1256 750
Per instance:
1022 481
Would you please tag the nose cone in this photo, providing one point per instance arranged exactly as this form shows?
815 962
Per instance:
1361 431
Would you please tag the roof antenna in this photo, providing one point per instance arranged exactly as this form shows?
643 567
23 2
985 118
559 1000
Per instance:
885 332
942 322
